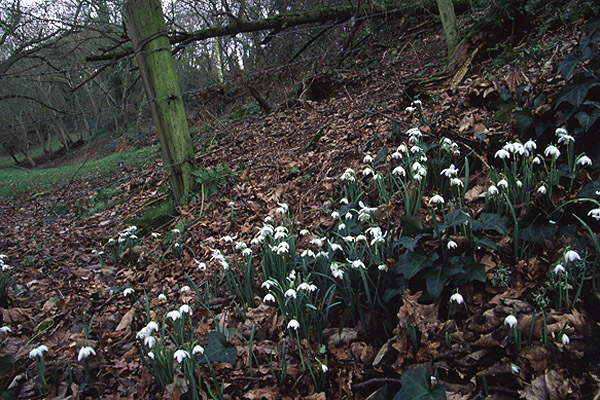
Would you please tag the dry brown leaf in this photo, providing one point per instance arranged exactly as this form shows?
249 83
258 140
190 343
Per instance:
550 386
126 320
268 393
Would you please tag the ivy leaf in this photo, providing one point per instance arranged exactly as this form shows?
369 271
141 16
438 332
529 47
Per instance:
575 93
219 349
409 243
489 222
416 385
455 218
410 264
381 156
537 233
411 224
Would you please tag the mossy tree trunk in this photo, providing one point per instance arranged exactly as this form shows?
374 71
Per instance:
151 45
448 17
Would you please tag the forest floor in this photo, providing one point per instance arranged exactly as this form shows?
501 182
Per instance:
296 156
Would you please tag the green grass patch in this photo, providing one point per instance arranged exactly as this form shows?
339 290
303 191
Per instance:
14 182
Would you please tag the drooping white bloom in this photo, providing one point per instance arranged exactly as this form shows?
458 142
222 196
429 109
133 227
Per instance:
184 288
519 183
308 252
155 235
356 264
583 161
269 298
456 182
437 199
595 213
571 256
282 209
451 244
510 320
128 291
5 329
344 200
176 231
198 350
542 189
85 352
559 269
348 175
227 239
151 355
450 172
515 368
152 326
565 339
410 109
399 171
530 145
367 159
360 238
560 131
280 235
240 245
247 252
502 154
457 297
341 226
365 211
492 190
180 355
38 351
324 368
335 215
565 139
304 232
336 271
552 151
319 242
367 171
502 184
335 247
268 283
174 315
510 147
382 267
293 324
536 161
267 229
185 309
290 293
150 341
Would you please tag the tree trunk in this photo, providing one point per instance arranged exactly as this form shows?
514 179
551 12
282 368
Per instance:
148 35
448 17
25 152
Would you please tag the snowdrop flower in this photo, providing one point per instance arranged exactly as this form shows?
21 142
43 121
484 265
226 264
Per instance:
184 288
151 355
150 341
282 209
290 293
267 229
502 184
450 172
185 309
240 245
5 329
198 350
530 145
365 212
318 242
565 139
584 160
595 213
336 271
399 171
335 215
112 241
510 147
227 239
269 298
247 252
565 339
416 167
280 235
456 182
281 248
416 103
410 109
85 352
515 369
269 220
367 171
324 368
308 252
174 315
560 131
348 215
396 155
502 154
303 286
176 231
542 190
5 267
519 184
510 320
361 238
152 326
180 355
341 226
537 160
128 291
356 264
304 232
559 268
437 199
451 245
552 151
335 247
415 149
367 159
382 267
38 351
344 200
571 255
155 235
348 239
457 297
200 265
293 324
3 257
268 283
348 175
492 190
